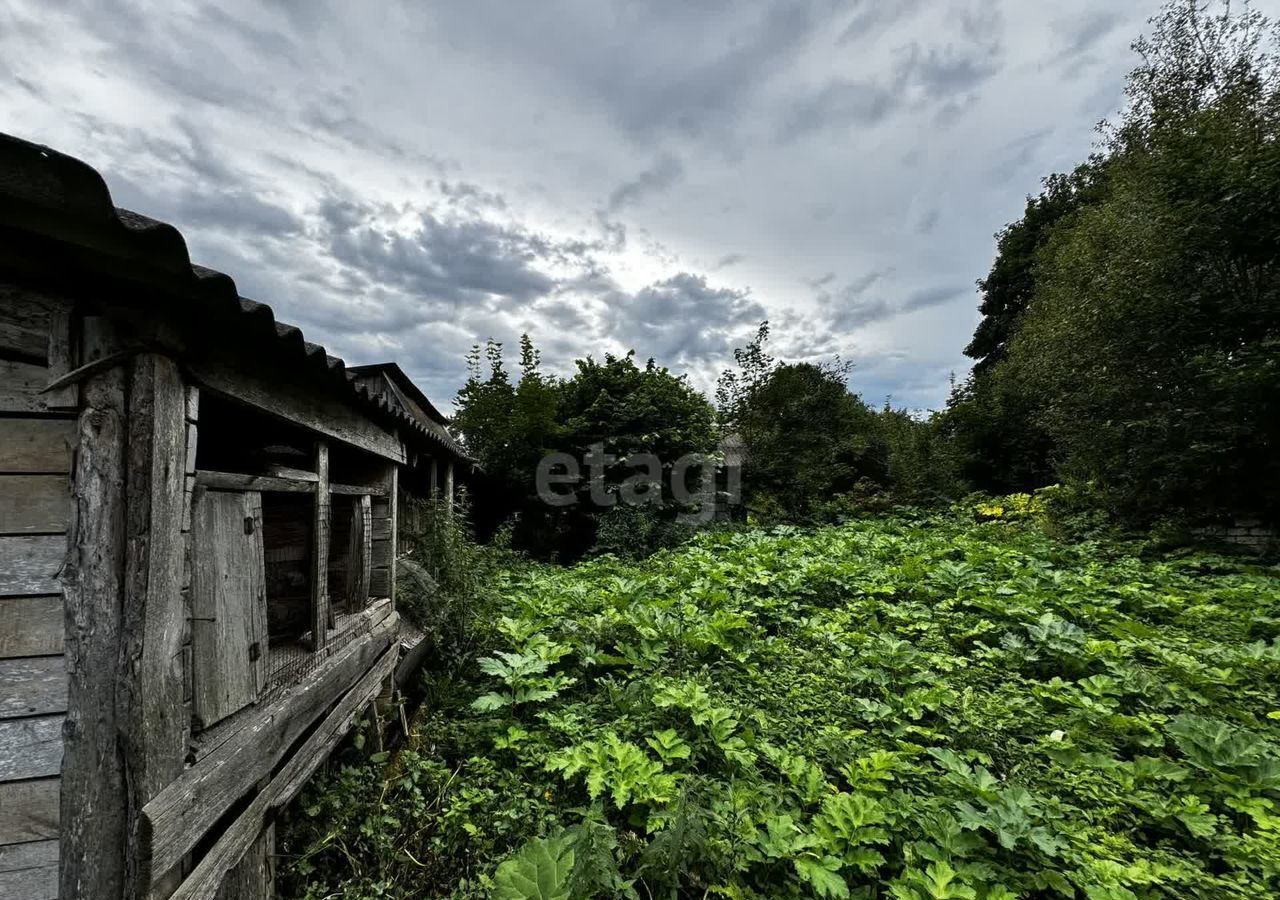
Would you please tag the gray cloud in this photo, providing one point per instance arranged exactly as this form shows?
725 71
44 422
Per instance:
655 179
684 320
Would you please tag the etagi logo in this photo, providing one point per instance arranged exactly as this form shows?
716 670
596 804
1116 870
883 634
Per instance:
559 479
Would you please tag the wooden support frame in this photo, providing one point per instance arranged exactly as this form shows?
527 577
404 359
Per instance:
321 614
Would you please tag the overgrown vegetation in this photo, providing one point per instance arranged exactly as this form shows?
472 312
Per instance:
943 706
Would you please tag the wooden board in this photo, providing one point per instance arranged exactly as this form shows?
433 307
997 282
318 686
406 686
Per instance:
29 871
30 565
31 626
29 810
251 878
30 748
34 504
359 553
228 604
36 445
20 386
34 686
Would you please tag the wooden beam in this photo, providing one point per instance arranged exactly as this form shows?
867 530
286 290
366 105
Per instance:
181 815
321 617
30 748
153 720
308 405
29 810
360 552
29 871
233 481
393 496
37 445
34 504
357 490
31 626
35 686
208 875
62 357
93 791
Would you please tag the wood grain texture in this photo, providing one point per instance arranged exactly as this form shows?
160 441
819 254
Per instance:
30 748
359 553
233 481
303 404
62 357
29 871
180 816
36 445
153 720
31 626
34 686
34 504
29 810
230 849
30 565
320 612
20 386
228 603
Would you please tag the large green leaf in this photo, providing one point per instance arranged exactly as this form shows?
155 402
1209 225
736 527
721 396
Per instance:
539 871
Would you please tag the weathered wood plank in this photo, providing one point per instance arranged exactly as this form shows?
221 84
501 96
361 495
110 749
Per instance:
30 565
34 686
31 626
182 813
251 878
357 490
30 748
359 553
278 471
228 603
381 530
379 582
61 357
36 445
34 504
29 871
393 498
227 852
321 618
233 481
28 810
24 321
93 804
20 386
152 717
305 405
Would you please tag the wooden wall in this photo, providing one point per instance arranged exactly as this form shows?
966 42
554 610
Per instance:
37 431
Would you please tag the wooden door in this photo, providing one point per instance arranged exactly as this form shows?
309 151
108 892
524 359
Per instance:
228 603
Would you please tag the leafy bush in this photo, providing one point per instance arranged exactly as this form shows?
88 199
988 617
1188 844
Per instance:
913 707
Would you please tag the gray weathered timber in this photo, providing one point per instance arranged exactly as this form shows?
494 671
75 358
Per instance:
31 626
28 810
30 564
29 871
379 582
251 878
20 386
228 603
357 490
36 445
24 322
153 719
230 848
393 498
381 530
30 748
300 404
34 504
34 686
320 612
360 553
93 795
61 357
180 816
232 481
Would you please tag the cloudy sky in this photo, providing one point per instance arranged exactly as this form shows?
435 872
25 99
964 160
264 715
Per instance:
650 174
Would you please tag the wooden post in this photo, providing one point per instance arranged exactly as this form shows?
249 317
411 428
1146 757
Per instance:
320 551
448 488
393 492
435 478
360 554
152 718
93 805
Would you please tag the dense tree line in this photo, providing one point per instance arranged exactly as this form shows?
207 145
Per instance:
1129 343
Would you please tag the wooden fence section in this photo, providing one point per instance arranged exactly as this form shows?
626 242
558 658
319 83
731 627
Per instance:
37 433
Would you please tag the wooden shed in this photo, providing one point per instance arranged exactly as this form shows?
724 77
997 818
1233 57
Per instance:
198 543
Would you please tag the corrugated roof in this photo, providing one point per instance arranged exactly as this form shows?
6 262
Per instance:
59 198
